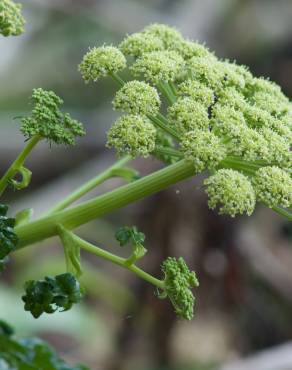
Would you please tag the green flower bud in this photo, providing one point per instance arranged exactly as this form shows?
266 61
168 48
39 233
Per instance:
168 35
226 121
278 148
273 186
196 91
270 103
231 76
250 145
231 191
257 117
137 97
231 97
203 149
188 49
179 281
140 43
207 70
11 20
262 85
47 121
158 66
100 62
132 134
188 115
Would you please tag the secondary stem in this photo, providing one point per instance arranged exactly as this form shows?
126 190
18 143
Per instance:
88 186
18 163
116 260
104 204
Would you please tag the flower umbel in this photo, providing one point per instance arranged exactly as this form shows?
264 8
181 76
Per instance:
132 134
48 122
179 281
231 191
100 62
137 97
273 186
11 20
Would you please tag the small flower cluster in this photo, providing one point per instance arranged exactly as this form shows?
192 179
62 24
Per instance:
11 20
47 121
225 119
179 281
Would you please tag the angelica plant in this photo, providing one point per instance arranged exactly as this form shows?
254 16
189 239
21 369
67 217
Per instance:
182 105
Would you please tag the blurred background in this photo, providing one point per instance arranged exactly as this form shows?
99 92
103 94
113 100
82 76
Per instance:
243 312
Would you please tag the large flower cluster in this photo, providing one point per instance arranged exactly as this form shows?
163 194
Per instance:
223 118
11 20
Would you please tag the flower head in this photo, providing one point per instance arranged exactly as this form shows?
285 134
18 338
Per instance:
179 281
188 115
11 20
47 121
158 66
231 191
273 186
100 62
139 43
137 97
197 91
202 148
207 70
188 49
132 134
168 35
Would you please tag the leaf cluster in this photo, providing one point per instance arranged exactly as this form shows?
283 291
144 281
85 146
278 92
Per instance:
51 293
28 353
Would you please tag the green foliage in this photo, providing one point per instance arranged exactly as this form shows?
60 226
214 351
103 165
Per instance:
47 121
179 281
28 353
11 20
8 238
51 294
131 235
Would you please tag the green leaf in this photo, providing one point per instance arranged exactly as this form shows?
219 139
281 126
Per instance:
51 293
8 239
131 235
28 353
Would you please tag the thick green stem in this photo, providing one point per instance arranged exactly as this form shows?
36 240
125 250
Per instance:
282 212
116 260
83 213
88 186
18 163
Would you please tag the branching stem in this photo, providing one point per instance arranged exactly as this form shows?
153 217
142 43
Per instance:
116 260
18 163
88 186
